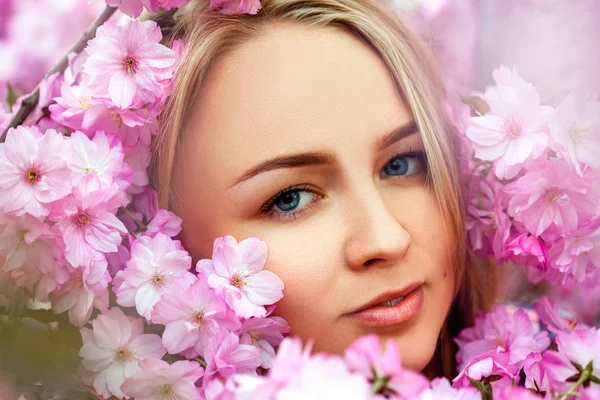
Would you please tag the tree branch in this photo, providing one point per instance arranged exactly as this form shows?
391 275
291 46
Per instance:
31 101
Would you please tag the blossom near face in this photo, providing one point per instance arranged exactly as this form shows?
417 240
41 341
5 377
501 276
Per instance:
314 112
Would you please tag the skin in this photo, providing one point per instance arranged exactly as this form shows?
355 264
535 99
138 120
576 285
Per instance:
362 230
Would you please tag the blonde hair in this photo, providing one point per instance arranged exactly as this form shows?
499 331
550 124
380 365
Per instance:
209 33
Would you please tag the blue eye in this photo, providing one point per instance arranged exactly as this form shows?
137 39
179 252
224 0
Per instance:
405 164
290 202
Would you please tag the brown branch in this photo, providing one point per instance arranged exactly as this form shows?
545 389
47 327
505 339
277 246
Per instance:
31 101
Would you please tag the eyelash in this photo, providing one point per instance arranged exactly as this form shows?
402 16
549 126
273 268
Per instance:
267 211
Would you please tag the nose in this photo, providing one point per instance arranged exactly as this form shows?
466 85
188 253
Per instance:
376 237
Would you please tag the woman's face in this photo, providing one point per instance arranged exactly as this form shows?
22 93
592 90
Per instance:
300 138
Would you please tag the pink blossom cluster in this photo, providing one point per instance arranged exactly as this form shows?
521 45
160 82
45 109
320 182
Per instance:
504 348
134 8
72 181
533 181
215 323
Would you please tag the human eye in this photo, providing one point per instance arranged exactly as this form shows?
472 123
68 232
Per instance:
409 164
289 203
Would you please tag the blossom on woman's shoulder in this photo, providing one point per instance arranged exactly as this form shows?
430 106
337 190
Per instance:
87 222
577 351
513 132
501 331
237 276
266 334
101 156
113 349
159 380
156 264
365 357
551 201
575 133
237 6
33 171
192 314
127 64
442 390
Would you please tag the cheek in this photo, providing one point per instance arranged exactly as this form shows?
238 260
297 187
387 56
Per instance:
308 264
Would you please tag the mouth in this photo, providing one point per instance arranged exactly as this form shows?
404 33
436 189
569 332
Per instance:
391 308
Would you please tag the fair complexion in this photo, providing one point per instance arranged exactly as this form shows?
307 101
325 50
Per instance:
359 218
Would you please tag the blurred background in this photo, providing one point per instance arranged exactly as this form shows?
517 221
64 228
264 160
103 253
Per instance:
553 43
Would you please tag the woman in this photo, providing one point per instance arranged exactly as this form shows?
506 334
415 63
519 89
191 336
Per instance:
319 127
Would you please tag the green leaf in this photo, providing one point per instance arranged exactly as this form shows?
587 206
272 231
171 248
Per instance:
12 96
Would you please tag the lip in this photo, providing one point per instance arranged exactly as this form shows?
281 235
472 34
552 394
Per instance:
373 315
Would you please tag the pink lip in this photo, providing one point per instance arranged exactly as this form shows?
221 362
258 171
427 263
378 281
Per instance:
373 315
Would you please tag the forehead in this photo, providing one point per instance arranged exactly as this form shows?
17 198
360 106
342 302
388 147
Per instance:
291 89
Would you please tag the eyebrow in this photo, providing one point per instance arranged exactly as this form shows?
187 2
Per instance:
320 158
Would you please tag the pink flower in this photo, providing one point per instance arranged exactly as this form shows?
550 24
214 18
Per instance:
114 348
481 215
166 222
155 264
528 250
577 255
88 224
265 334
551 201
487 365
86 288
590 393
326 377
128 64
31 255
442 390
548 312
235 272
504 332
159 380
33 171
192 316
102 157
514 393
134 8
513 132
365 357
237 6
576 131
581 346
225 356
535 375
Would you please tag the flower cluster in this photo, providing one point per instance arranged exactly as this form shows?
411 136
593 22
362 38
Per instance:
533 180
82 232
504 349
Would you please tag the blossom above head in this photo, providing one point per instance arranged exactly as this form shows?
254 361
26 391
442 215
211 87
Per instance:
237 6
127 64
